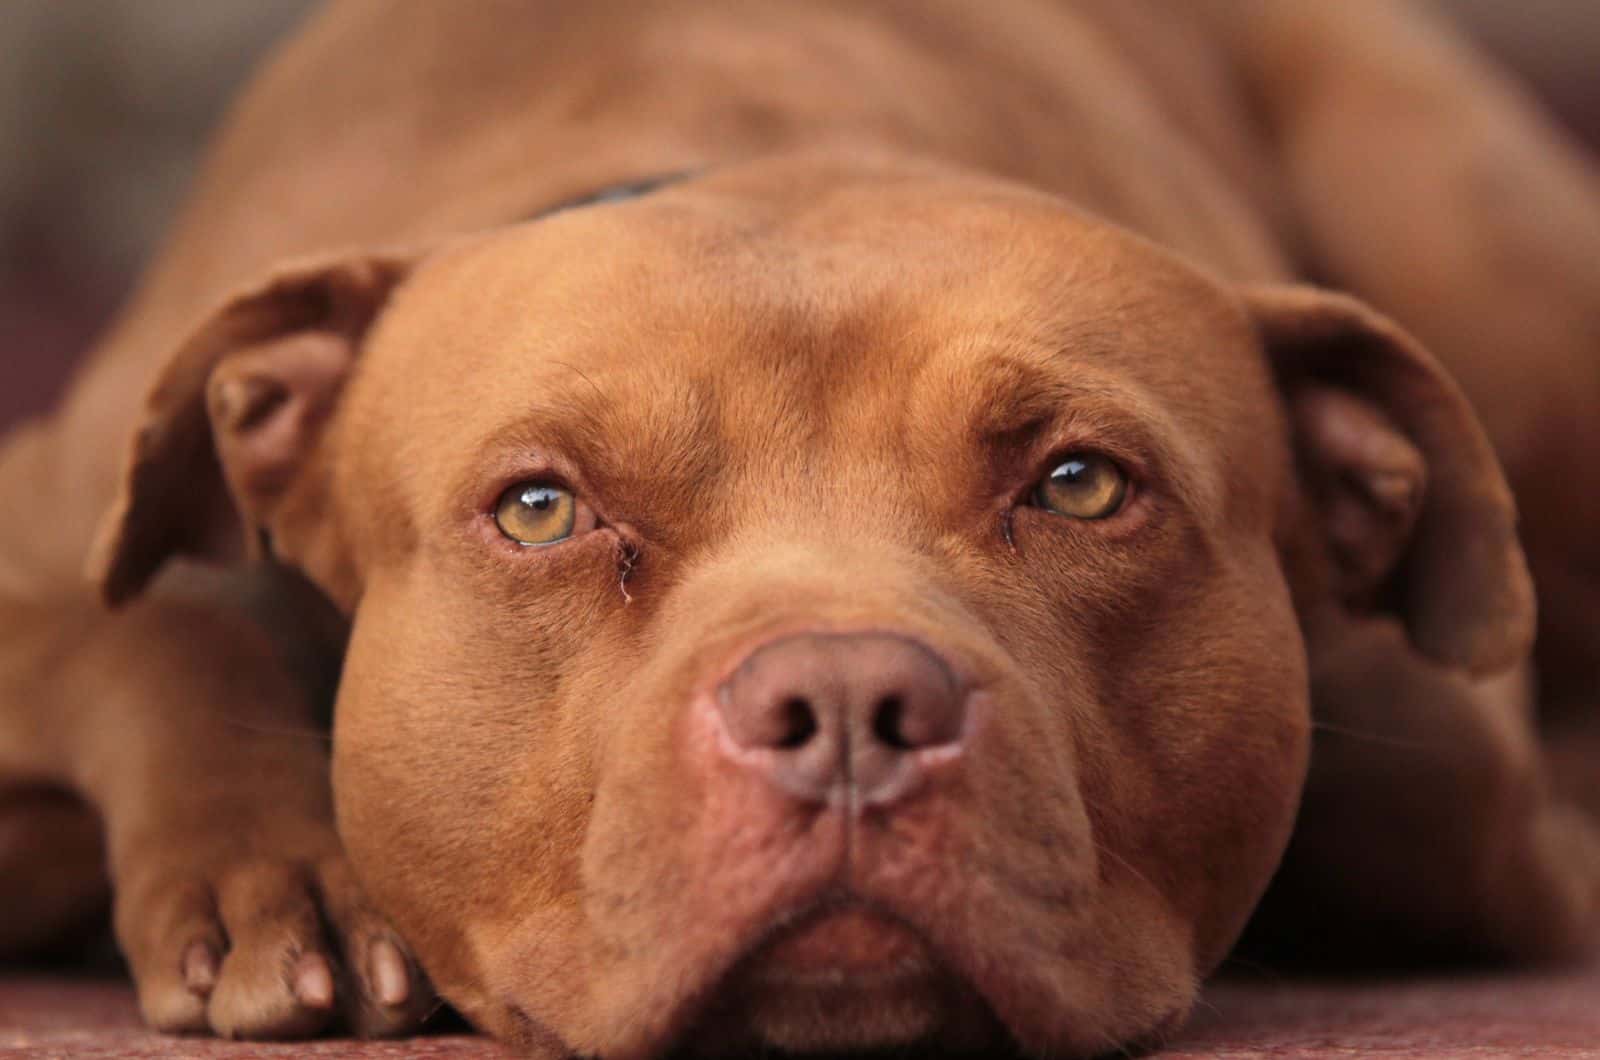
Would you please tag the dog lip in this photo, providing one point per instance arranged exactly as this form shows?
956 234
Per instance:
844 952
840 943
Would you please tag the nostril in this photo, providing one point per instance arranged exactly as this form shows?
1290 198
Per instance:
799 724
847 707
888 723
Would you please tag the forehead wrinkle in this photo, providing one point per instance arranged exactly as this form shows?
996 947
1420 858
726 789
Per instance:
1027 393
635 436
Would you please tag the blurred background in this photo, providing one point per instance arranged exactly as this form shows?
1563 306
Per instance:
106 104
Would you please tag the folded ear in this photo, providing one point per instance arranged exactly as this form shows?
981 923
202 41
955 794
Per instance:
1416 515
226 454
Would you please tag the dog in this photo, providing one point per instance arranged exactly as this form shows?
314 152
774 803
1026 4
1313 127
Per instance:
833 527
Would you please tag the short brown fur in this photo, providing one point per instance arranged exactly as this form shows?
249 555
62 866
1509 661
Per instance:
912 255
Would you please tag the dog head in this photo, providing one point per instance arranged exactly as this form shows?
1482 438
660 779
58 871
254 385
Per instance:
823 606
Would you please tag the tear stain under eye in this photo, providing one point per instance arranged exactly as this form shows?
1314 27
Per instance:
627 559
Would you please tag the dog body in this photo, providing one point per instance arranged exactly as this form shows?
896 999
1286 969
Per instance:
839 712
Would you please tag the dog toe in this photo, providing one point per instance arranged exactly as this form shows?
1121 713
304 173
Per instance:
171 1008
172 940
386 993
264 948
278 979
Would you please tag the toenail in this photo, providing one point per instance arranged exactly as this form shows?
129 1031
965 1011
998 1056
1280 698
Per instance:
200 968
386 970
313 981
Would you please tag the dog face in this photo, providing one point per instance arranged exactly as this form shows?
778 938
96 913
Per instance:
785 468
818 608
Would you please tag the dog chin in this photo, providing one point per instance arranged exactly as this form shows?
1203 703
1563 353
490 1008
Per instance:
844 979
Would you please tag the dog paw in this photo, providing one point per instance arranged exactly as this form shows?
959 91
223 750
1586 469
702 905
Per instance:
266 949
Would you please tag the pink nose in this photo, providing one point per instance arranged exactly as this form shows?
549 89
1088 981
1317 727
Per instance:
843 718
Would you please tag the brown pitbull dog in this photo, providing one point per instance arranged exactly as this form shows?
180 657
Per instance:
870 572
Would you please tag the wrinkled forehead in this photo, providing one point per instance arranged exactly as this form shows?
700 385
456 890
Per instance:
805 313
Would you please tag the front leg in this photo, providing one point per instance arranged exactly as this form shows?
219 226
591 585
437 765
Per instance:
181 721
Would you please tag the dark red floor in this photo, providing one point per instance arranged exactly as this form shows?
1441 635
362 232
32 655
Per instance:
1477 1017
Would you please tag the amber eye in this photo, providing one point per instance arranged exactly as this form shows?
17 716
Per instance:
1083 486
536 513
